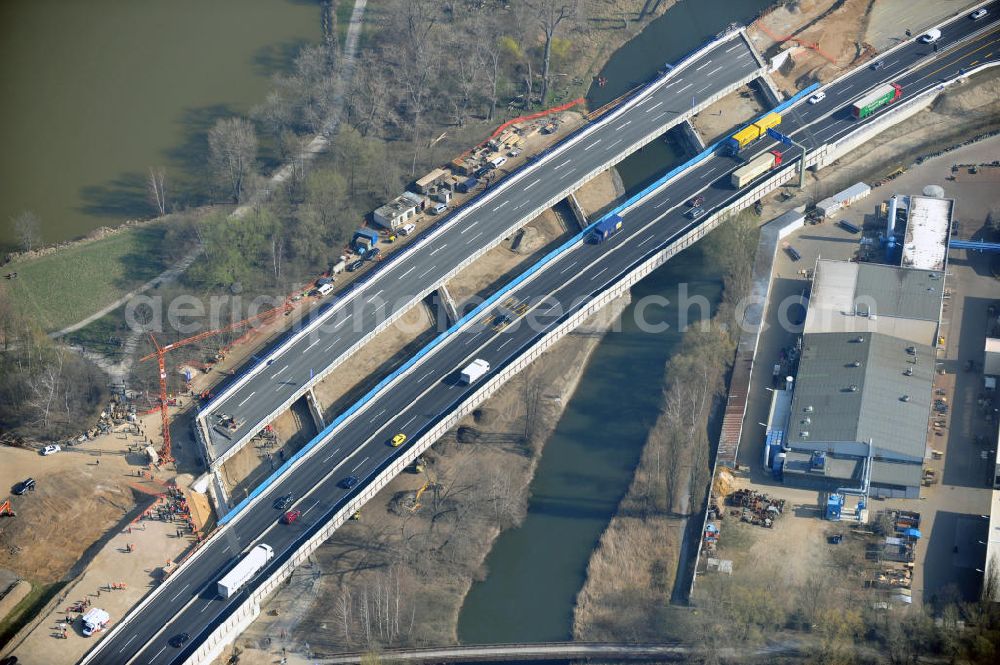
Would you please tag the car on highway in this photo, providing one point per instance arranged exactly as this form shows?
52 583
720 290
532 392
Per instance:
349 482
501 321
398 440
978 14
930 36
877 65
51 450
179 640
291 516
355 265
696 201
695 213
26 485
817 98
283 502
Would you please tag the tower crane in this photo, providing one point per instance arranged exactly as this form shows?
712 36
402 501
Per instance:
160 355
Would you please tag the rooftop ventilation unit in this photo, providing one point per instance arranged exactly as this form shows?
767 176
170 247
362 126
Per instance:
904 398
808 409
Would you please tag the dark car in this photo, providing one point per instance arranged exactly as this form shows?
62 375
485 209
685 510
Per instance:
877 65
283 502
483 170
179 640
349 482
373 254
355 265
695 213
24 486
696 201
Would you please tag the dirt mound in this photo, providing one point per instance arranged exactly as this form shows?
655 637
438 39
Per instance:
724 483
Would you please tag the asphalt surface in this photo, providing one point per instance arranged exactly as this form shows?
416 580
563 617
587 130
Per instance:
288 374
431 390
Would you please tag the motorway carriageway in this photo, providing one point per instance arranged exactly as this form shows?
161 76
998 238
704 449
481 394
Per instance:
285 374
430 391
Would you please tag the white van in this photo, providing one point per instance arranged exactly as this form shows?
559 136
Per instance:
498 161
930 36
325 289
408 229
94 621
438 208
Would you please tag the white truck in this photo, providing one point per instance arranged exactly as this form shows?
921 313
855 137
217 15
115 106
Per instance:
94 621
249 566
474 371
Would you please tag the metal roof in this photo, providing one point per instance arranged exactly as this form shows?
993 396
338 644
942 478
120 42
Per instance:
853 388
926 242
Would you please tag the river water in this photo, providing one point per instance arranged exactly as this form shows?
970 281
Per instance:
96 92
536 571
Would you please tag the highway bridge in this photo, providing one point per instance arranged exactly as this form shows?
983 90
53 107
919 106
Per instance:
285 374
424 399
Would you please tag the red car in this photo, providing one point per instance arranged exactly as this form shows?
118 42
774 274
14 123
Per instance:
696 201
291 516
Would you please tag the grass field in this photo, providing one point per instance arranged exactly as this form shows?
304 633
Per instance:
62 288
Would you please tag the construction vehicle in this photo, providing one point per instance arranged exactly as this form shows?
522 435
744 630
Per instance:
474 371
606 228
416 499
886 94
248 566
755 167
751 133
6 510
94 621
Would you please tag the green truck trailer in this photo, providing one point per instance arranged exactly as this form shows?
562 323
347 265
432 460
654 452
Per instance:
881 96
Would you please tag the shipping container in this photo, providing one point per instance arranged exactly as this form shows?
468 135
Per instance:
751 133
755 167
474 371
883 95
248 566
606 228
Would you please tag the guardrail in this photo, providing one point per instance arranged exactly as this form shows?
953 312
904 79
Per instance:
445 225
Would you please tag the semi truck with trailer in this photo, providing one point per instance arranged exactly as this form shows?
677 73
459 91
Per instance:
248 566
751 133
606 228
474 371
886 94
757 166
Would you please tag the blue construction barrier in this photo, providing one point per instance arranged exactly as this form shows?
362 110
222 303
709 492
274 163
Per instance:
486 304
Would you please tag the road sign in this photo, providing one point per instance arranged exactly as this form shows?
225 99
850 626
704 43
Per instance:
778 136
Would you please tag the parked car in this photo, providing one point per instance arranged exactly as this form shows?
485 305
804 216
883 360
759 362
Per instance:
349 482
283 502
51 450
978 14
373 254
408 229
354 265
483 170
398 440
291 516
27 485
695 213
817 98
514 152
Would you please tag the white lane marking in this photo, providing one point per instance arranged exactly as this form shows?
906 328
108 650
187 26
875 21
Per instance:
614 144
407 423
661 115
846 88
342 322
662 203
523 203
412 268
501 205
162 649
505 343
377 416
713 71
734 46
204 608
599 274
890 64
686 87
332 453
627 122
227 549
360 463
180 592
469 339
537 180
424 273
439 249
701 67
645 241
654 106
567 267
556 168
376 294
332 344
567 172
592 144
278 389
701 90
248 397
315 342
745 54
469 242
127 643
306 511
281 370
425 376
705 174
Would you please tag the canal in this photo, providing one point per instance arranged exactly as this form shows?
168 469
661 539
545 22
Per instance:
96 92
534 572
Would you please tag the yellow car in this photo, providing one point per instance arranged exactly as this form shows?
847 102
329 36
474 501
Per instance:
398 440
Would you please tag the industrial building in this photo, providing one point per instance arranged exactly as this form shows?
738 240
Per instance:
856 413
398 212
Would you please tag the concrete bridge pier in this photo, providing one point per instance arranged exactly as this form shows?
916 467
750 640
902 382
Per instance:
578 214
448 303
691 138
769 90
315 410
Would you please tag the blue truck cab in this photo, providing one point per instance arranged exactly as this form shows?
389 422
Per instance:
606 228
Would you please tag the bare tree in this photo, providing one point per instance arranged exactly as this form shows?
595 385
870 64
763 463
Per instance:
156 186
232 145
550 14
27 229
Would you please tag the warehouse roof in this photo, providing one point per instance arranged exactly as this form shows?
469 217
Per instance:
926 242
854 388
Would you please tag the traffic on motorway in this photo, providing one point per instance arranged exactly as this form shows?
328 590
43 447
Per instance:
190 604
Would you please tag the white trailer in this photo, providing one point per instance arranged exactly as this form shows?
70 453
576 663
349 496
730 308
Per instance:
249 566
94 621
474 371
